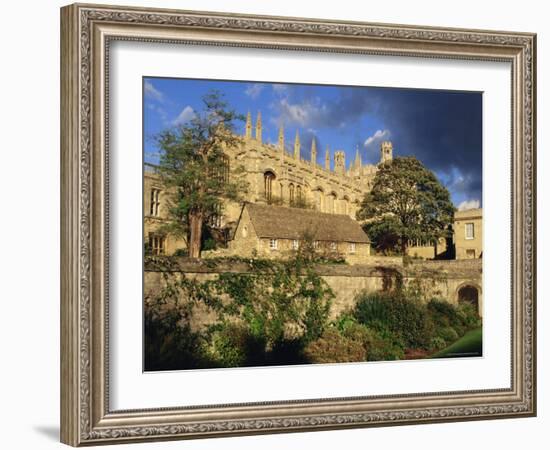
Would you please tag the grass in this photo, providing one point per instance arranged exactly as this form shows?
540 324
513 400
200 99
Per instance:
468 345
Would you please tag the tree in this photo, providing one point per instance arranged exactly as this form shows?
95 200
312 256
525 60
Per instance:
195 169
384 234
406 202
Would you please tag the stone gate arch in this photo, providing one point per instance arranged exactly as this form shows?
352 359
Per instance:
469 292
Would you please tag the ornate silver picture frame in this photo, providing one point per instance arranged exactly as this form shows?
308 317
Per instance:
87 34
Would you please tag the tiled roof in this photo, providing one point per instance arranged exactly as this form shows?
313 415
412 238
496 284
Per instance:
294 223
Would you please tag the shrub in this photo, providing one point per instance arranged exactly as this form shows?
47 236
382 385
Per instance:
333 347
379 342
407 318
468 315
437 343
447 334
227 346
209 244
169 342
383 346
231 345
442 313
462 317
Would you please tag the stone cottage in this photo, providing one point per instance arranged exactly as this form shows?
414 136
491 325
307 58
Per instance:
277 231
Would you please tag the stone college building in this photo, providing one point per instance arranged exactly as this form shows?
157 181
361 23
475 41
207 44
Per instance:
288 197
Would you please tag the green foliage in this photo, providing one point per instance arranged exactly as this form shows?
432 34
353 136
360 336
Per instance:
469 344
383 345
443 313
394 313
406 202
194 169
468 315
209 244
264 316
284 300
312 252
380 344
404 321
231 345
448 334
277 312
169 339
385 235
334 347
437 343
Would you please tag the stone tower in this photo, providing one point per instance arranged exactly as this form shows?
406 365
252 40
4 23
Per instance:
259 127
327 159
340 162
248 130
281 138
386 151
297 146
313 152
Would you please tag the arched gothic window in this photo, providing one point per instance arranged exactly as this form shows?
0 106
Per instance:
268 185
345 205
318 196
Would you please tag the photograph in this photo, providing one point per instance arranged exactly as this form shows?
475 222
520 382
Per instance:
288 223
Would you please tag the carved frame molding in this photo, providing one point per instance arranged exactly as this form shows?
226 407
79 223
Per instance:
86 31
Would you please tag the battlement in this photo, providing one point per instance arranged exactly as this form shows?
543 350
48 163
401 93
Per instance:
339 167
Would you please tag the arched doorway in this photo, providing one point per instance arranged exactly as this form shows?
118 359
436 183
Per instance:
469 294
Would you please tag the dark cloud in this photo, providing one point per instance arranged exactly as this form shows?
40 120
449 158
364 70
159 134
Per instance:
443 129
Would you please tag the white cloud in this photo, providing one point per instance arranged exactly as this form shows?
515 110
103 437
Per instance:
468 204
310 112
185 115
377 137
152 92
372 144
253 90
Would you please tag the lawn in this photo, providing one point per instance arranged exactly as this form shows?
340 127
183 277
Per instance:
468 345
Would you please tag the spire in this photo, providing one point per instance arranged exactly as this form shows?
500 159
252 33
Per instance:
282 138
313 152
327 158
248 129
259 127
358 162
297 146
340 162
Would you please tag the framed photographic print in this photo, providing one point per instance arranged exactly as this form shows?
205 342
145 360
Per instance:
275 224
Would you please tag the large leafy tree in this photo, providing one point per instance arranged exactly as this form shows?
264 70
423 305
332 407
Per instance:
195 169
407 201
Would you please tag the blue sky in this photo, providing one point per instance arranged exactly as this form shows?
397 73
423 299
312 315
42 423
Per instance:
441 128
